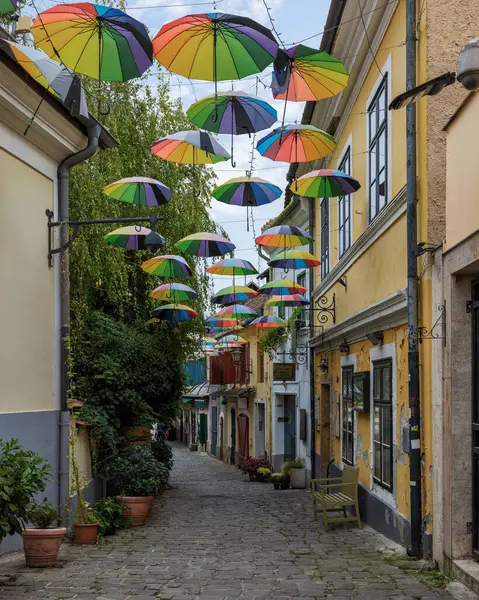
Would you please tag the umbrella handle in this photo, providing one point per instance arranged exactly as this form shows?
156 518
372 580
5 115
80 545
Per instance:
233 164
105 112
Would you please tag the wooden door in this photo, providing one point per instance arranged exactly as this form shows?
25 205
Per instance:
243 439
233 436
214 429
475 419
325 427
289 402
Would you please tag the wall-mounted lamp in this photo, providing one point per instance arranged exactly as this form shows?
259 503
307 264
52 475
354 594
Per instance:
344 347
237 358
376 337
323 365
344 282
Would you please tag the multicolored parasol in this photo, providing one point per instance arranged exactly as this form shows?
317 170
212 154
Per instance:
247 191
173 292
130 238
232 266
295 259
208 340
325 183
230 341
268 322
168 265
220 324
141 191
8 6
281 287
234 293
174 312
288 300
205 244
284 236
235 311
190 148
296 143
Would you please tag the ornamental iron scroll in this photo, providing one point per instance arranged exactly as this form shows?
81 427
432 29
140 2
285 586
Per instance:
437 331
299 355
325 309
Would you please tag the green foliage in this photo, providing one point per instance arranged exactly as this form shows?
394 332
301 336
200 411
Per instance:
135 472
84 513
162 450
23 474
272 339
297 463
42 514
110 515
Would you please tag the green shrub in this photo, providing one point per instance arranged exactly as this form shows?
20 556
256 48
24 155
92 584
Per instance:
297 463
136 472
110 515
162 450
42 514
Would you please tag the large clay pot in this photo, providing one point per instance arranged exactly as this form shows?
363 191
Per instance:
137 508
137 435
41 546
85 533
298 479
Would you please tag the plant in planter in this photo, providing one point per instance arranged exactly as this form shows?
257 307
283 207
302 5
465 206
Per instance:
111 515
251 466
42 542
297 473
263 474
161 449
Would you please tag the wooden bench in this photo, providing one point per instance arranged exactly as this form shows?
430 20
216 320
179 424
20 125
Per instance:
335 494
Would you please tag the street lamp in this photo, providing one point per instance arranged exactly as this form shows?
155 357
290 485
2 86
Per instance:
236 355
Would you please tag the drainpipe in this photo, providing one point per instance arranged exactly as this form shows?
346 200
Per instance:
63 176
311 350
412 291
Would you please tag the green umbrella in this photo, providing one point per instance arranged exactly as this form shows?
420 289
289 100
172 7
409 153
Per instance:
8 6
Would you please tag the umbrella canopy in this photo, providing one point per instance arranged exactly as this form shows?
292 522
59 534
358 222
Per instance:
295 259
288 300
142 191
232 266
268 322
296 143
168 265
130 238
205 244
247 191
190 148
174 312
281 287
7 6
325 183
230 341
235 311
101 42
234 293
284 236
303 74
173 292
220 324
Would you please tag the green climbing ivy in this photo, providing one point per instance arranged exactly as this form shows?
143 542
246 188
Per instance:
272 339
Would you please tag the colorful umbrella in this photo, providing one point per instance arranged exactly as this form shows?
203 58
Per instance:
101 42
268 322
281 287
234 293
174 312
284 236
232 266
130 238
173 292
142 191
325 183
235 311
205 244
289 300
247 191
7 6
190 148
219 324
296 143
295 259
232 339
167 266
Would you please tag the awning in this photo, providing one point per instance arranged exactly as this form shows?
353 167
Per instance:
203 390
235 392
200 403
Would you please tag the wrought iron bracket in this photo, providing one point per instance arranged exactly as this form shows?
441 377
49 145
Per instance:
325 309
298 355
437 331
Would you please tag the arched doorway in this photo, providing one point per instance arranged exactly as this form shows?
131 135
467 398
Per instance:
243 438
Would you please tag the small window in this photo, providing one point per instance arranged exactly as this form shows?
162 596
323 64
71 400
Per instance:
378 155
324 210
347 416
344 208
383 423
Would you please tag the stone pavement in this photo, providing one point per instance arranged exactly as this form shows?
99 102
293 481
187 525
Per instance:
216 536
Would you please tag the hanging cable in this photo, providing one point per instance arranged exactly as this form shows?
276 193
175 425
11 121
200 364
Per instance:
368 39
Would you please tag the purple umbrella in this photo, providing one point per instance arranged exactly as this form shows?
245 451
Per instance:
130 238
142 191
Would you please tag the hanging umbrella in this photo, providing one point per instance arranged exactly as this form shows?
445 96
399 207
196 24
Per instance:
247 191
234 293
174 312
268 322
101 42
205 244
281 287
190 148
167 266
325 183
295 259
219 324
296 143
232 266
288 300
142 191
284 236
130 238
234 113
173 292
232 339
7 6
236 311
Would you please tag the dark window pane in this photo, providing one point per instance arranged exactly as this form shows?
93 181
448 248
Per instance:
378 159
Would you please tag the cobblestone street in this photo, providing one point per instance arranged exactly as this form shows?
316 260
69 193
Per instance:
216 535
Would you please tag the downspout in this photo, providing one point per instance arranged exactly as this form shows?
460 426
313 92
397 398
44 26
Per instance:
412 291
311 349
62 368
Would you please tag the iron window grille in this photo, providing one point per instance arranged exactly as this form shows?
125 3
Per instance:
347 416
344 208
378 155
324 211
383 423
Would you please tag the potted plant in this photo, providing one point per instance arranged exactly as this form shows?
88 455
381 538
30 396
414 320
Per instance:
251 466
297 473
42 542
111 515
263 474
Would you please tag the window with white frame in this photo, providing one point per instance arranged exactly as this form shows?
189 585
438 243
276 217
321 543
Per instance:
377 116
344 208
324 214
347 415
383 423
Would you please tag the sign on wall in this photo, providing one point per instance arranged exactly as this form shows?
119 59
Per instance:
284 371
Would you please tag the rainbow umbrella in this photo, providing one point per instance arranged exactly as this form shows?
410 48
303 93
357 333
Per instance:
174 312
130 238
232 266
190 148
268 322
167 266
205 244
173 292
142 191
234 293
219 324
7 6
295 259
296 143
289 300
247 191
232 339
235 311
101 42
284 236
281 287
325 183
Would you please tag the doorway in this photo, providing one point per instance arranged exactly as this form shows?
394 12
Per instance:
289 430
475 419
243 439
233 436
260 430
193 428
222 438
325 428
214 429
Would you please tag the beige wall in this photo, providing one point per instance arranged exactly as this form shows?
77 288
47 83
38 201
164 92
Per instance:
26 299
82 455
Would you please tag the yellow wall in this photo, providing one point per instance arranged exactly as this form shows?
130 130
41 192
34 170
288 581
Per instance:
26 299
82 455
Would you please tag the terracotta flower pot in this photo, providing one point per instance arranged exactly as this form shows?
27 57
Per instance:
85 533
41 546
137 508
152 502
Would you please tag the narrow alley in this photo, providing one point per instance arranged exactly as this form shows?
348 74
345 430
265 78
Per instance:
216 536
